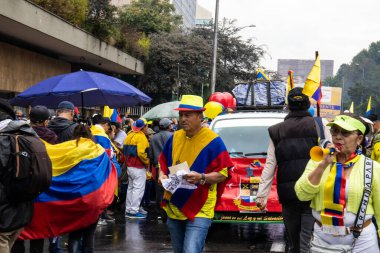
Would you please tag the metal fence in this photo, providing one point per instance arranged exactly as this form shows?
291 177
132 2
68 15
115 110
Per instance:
136 110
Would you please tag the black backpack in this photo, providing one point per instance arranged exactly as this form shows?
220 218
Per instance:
26 169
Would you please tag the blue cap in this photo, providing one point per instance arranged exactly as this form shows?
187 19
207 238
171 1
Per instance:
66 105
138 125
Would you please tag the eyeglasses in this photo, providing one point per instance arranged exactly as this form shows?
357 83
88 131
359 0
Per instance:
335 131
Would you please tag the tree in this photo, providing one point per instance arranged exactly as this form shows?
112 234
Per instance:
361 79
102 21
237 59
188 55
74 11
150 16
178 64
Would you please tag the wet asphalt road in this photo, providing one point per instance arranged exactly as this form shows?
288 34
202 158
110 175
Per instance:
141 236
151 235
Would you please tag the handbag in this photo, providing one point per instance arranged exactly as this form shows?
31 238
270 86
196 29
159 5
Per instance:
320 246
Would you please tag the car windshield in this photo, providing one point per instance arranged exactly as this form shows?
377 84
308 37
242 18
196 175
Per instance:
244 136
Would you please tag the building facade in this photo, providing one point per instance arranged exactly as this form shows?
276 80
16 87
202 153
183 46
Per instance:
203 16
35 45
301 69
187 9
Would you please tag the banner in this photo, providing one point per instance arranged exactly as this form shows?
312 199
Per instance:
330 102
238 193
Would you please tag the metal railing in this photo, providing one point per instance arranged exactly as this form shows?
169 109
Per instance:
136 110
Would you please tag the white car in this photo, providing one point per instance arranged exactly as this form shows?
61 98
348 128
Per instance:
246 137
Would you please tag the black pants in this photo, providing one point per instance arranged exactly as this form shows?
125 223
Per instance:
36 246
86 235
299 224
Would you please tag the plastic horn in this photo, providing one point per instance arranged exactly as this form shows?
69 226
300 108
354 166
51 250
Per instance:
317 153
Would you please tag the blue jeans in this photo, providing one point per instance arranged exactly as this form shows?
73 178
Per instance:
187 236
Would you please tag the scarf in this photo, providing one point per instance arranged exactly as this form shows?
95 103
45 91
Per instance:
335 197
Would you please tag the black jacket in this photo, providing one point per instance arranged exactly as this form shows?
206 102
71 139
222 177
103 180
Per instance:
293 140
13 215
63 128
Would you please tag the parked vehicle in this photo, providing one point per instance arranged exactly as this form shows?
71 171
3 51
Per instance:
246 137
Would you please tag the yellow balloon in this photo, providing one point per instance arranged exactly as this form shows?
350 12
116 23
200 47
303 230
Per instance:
213 109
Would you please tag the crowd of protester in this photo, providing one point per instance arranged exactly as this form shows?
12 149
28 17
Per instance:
145 151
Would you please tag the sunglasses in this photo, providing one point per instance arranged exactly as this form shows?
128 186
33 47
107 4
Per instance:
335 131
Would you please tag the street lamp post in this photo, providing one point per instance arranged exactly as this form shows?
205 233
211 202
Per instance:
358 65
215 48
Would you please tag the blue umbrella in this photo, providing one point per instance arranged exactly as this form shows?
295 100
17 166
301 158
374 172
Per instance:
83 89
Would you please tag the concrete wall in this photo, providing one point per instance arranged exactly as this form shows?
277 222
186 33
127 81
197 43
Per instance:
33 25
20 68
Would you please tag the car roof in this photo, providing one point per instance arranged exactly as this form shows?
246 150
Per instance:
245 115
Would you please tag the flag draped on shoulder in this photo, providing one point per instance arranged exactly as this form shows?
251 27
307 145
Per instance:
112 114
313 85
83 185
209 155
261 75
101 138
369 107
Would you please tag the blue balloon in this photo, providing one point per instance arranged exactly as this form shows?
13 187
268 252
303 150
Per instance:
311 111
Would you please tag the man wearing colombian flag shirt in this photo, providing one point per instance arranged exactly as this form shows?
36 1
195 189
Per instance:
190 211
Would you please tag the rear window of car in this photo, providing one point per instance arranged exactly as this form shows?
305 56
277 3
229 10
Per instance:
244 136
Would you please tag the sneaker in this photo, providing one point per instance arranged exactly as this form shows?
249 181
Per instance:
102 222
143 211
137 215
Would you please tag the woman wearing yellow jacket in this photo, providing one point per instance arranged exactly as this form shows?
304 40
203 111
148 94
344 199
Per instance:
335 187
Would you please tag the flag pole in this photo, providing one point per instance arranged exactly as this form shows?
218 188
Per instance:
318 106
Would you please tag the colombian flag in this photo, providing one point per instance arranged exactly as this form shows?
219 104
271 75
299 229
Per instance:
206 154
83 185
313 85
369 109
101 138
112 114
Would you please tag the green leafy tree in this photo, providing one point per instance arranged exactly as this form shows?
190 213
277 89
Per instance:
102 21
150 16
360 79
73 11
178 64
237 58
143 18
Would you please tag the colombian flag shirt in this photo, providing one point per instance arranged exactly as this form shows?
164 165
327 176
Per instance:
205 153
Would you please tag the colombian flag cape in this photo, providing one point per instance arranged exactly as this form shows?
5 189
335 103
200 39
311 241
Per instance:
83 185
102 138
209 154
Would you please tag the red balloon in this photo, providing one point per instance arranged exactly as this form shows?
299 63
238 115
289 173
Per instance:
220 98
230 99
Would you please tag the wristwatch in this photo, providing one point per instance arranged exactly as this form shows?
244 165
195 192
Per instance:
203 179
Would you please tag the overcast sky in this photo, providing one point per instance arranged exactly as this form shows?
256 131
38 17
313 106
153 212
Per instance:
295 29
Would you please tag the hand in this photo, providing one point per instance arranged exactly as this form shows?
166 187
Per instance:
162 177
260 203
192 177
328 159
